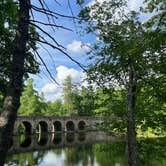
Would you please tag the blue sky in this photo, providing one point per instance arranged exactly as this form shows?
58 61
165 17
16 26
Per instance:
60 66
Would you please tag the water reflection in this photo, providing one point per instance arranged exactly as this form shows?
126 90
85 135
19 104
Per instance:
42 138
80 149
57 138
25 140
82 137
70 137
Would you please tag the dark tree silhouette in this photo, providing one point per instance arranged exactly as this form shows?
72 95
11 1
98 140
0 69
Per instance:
22 38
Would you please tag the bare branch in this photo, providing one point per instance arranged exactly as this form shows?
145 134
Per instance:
46 67
51 13
57 2
53 19
48 16
49 24
62 51
42 11
46 34
32 14
48 54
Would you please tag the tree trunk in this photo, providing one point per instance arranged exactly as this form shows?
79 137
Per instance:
131 142
12 99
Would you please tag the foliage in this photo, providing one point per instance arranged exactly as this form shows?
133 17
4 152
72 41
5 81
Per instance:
151 112
68 89
84 101
8 15
55 108
31 102
158 8
8 25
112 105
124 43
78 101
153 151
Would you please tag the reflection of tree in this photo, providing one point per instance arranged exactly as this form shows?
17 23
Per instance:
152 154
72 157
110 154
79 154
58 152
25 140
23 159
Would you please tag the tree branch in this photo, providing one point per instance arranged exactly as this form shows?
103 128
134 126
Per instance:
59 49
49 24
51 13
46 67
46 34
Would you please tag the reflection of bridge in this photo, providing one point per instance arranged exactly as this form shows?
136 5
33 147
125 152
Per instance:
54 141
55 124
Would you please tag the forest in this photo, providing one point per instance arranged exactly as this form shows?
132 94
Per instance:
86 101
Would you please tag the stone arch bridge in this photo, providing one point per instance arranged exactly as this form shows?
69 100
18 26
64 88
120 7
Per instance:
38 124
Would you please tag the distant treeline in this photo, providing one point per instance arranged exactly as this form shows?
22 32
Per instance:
87 101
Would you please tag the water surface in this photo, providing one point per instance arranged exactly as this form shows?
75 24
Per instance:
81 149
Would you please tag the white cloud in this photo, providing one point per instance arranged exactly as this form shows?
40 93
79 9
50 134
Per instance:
78 47
63 72
53 91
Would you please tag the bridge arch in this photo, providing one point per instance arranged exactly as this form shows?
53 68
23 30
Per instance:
42 127
57 126
25 127
81 125
70 126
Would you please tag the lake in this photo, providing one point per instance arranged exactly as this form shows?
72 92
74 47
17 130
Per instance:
80 149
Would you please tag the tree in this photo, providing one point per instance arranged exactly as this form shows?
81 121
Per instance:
125 55
31 102
23 37
8 26
111 103
55 108
84 101
11 102
68 95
